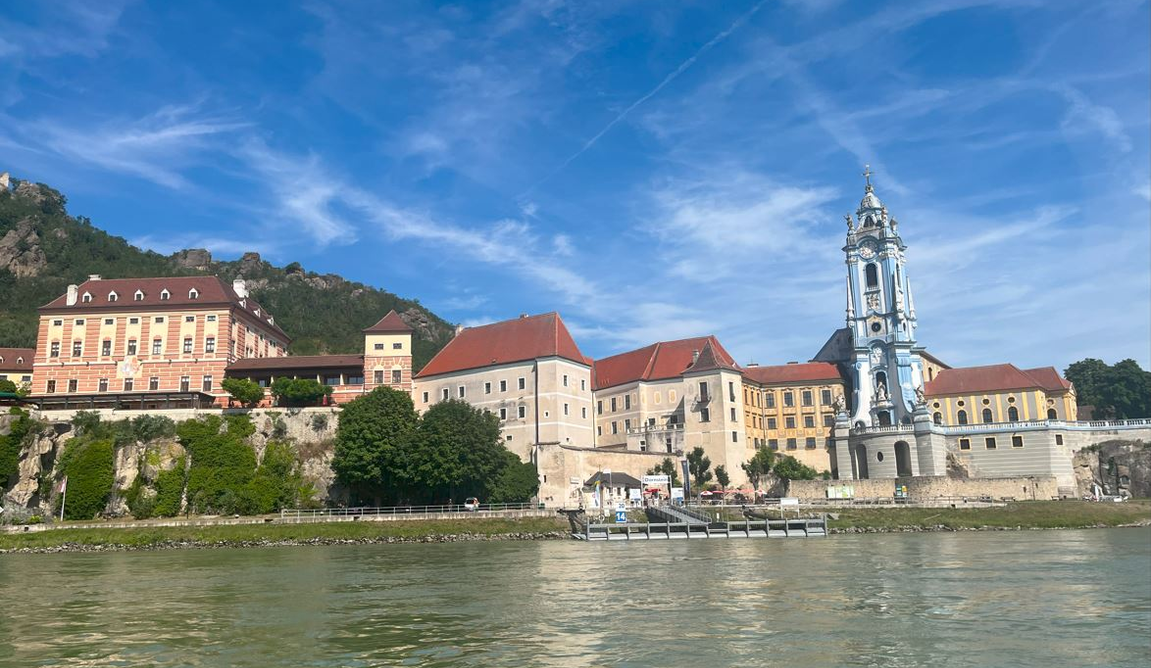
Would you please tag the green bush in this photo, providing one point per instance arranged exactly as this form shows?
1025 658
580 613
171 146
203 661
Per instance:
790 468
11 444
516 482
299 391
151 427
246 392
222 463
89 470
169 490
8 386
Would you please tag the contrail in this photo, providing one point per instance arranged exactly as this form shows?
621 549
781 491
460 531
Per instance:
736 25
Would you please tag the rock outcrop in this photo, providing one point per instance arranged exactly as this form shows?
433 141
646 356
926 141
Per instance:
1119 468
198 259
20 251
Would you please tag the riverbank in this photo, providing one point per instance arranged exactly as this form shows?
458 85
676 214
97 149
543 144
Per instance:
1014 516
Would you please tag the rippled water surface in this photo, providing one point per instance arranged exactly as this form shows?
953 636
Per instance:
1039 598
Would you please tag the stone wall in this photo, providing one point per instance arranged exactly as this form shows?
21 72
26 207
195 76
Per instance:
928 488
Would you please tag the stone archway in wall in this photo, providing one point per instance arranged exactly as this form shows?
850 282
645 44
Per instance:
902 459
861 461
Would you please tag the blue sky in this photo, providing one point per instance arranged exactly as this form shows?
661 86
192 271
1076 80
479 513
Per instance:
651 170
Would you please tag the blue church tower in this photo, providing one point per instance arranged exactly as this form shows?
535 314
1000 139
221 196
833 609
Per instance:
886 368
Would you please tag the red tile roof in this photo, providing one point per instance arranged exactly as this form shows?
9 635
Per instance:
210 291
793 373
389 324
17 359
519 340
658 361
294 362
994 378
709 360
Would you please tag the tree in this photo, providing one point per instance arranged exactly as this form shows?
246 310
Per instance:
668 468
8 386
698 465
516 482
790 468
722 477
758 466
458 452
375 434
299 391
245 391
1121 391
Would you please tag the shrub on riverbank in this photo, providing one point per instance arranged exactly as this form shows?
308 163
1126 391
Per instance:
89 468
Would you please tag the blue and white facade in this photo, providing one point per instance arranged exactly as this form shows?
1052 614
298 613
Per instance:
886 368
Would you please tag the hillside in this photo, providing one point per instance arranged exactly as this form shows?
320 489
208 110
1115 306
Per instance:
43 249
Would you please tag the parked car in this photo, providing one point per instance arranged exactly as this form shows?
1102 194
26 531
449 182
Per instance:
471 504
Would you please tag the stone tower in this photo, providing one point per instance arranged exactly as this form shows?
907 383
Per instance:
887 371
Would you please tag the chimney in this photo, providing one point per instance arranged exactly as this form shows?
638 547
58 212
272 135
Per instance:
752 365
73 291
523 315
694 356
93 277
240 288
459 328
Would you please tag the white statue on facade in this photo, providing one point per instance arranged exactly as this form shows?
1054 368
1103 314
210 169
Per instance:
920 396
840 404
876 357
881 391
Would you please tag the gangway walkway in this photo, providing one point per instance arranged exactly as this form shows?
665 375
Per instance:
674 522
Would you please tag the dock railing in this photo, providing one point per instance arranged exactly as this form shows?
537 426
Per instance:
321 514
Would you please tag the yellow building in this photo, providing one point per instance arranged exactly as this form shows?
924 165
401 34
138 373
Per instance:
999 393
791 408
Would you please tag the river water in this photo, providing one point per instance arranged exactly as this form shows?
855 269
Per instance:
1033 598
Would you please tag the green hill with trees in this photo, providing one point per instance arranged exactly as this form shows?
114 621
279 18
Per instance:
43 249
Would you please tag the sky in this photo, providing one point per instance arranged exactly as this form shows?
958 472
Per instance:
651 170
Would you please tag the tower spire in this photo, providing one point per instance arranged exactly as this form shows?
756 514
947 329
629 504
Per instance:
867 176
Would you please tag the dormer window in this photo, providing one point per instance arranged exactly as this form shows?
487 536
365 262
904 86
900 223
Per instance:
87 298
139 296
165 295
19 360
193 294
243 303
112 296
257 312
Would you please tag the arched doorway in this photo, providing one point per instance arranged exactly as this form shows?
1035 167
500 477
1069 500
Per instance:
861 461
884 418
902 459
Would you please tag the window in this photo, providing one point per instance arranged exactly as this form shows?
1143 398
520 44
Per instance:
129 383
961 417
788 399
1051 414
730 391
425 397
627 425
157 347
131 350
185 383
460 391
565 409
105 348
733 418
613 404
109 321
503 386
704 415
206 384
54 349
79 323
503 414
771 423
703 390
444 394
825 397
378 346
872 275
397 346
487 388
806 398
599 431
789 422
139 296
937 418
378 379
189 318
193 294
154 383
50 387
614 427
522 412
523 383
627 402
828 420
583 412
133 321
791 444
773 443
1058 439
1017 441
77 348
565 380
769 400
87 298
599 407
211 318
990 442
210 344
809 443
582 384
159 319
165 295
808 421
397 376
72 382
102 386
1012 414
187 344
735 437
987 416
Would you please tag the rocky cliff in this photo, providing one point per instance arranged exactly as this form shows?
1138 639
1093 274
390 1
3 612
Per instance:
1119 468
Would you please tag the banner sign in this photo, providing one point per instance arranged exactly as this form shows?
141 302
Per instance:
654 480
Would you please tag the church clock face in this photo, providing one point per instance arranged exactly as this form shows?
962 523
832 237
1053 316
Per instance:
867 249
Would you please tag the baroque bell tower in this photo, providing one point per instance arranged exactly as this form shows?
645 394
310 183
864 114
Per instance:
886 367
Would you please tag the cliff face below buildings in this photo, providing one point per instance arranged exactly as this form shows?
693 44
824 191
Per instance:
1119 468
143 472
43 249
